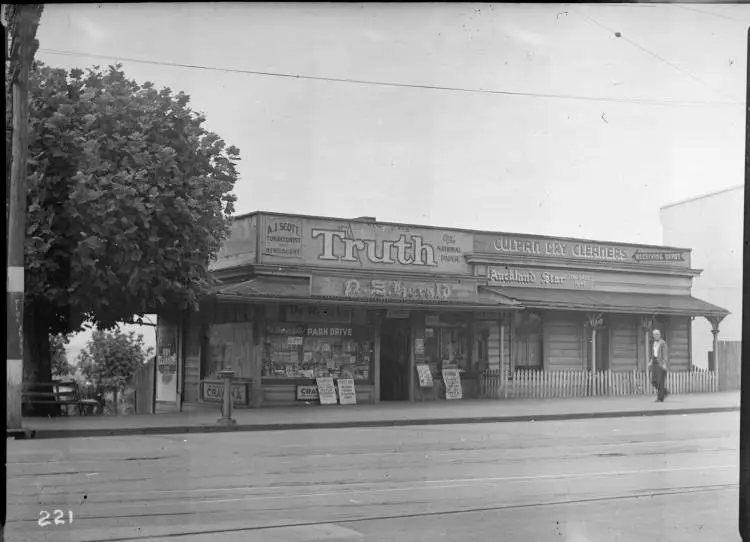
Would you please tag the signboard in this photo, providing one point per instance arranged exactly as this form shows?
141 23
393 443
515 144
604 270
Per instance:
239 248
567 279
425 376
347 392
326 390
311 313
213 392
307 392
452 380
393 290
285 329
582 251
329 331
167 337
282 237
166 362
397 314
419 346
363 245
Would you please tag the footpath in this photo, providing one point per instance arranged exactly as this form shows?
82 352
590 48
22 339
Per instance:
203 419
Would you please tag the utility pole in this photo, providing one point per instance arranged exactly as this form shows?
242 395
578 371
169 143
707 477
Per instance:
22 22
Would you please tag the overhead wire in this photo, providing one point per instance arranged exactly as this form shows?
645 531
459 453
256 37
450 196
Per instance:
392 84
653 54
714 14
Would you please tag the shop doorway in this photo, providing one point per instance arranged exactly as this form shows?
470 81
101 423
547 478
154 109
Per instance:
602 350
528 329
394 360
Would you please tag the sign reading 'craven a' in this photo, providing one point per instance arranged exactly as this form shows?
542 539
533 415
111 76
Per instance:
583 251
363 245
392 290
214 392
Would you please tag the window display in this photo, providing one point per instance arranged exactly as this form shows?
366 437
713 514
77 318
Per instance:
445 348
317 350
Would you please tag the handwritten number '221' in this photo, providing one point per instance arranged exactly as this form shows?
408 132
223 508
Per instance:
44 518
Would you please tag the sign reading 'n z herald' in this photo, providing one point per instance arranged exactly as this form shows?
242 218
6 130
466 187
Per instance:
363 245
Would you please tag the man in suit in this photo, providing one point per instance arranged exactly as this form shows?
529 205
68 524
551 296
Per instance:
659 366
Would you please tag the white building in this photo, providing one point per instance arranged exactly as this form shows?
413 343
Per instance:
712 225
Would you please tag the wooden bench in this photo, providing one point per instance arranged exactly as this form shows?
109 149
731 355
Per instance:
58 397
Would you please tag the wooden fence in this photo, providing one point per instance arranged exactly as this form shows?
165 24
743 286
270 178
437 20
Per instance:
568 384
730 365
142 386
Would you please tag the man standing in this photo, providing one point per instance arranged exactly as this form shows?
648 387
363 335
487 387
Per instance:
659 367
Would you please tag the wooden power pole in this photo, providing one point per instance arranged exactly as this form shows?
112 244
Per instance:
22 22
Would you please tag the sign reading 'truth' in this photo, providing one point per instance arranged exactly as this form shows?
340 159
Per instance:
364 245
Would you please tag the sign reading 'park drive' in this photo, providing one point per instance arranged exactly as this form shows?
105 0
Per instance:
363 245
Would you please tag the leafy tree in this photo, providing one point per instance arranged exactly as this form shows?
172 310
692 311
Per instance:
129 198
60 365
111 358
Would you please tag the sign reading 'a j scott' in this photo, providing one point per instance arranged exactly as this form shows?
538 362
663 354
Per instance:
363 245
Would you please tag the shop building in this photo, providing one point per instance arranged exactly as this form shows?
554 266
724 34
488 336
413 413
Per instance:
713 226
302 297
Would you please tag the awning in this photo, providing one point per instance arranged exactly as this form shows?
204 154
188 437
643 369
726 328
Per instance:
297 290
584 300
266 288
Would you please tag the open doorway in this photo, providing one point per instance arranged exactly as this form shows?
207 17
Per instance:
602 350
394 360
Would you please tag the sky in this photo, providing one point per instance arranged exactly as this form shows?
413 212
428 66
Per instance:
613 111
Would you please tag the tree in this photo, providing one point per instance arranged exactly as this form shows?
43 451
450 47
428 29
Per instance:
60 365
111 358
129 198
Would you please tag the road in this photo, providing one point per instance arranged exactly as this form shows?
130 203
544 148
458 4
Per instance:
671 478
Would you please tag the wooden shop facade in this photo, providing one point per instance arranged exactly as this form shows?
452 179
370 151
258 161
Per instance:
303 297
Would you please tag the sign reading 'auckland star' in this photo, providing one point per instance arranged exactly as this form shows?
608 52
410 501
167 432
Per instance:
364 245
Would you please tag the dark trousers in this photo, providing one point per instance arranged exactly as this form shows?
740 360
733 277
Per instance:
659 380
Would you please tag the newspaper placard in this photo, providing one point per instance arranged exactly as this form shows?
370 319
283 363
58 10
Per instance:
425 376
307 392
326 390
347 392
452 380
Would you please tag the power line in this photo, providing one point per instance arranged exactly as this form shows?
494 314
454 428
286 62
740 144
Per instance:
640 101
656 56
721 16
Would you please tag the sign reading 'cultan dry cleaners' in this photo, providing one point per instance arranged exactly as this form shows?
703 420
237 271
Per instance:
363 245
581 251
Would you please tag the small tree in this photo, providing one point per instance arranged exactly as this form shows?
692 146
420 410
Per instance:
60 365
111 358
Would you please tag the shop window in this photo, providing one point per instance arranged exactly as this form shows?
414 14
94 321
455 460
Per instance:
230 348
313 351
482 338
445 348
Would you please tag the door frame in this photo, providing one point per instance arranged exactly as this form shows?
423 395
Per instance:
390 327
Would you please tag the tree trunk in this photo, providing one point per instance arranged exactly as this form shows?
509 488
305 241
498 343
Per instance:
37 365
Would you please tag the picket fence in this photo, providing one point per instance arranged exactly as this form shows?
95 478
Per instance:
569 384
